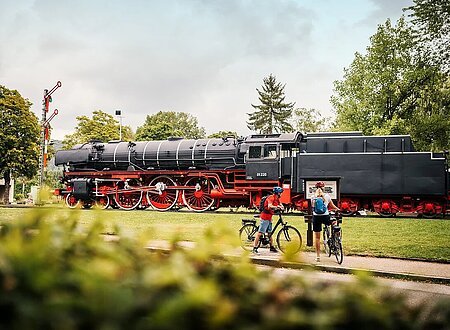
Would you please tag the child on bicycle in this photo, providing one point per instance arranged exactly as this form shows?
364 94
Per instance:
271 204
321 217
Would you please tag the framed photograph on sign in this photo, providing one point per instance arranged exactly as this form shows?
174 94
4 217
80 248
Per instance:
330 188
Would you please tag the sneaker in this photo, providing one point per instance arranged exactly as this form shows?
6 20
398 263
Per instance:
255 251
317 259
272 249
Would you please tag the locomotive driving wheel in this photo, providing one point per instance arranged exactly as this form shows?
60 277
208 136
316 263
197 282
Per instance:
162 199
429 209
102 202
72 202
348 206
127 197
387 209
199 198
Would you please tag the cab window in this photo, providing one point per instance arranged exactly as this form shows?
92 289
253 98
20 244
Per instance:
254 152
270 151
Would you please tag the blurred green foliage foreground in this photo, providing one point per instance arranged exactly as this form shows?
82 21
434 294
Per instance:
55 276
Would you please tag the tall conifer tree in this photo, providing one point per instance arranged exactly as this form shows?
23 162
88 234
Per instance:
273 114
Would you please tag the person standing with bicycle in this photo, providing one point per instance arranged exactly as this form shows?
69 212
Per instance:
320 204
271 204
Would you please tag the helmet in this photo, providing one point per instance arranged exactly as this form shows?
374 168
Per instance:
277 190
320 184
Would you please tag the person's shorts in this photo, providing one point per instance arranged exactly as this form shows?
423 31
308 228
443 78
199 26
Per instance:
318 220
265 226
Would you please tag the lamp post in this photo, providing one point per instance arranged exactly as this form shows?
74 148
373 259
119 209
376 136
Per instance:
119 114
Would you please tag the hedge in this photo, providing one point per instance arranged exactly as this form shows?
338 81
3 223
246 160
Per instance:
55 276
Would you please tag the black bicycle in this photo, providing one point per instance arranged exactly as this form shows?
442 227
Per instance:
288 237
332 238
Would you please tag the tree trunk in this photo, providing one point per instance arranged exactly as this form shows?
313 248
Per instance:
5 198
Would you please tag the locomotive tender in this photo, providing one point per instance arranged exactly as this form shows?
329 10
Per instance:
379 173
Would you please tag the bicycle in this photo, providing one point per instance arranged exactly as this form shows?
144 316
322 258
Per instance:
288 237
333 241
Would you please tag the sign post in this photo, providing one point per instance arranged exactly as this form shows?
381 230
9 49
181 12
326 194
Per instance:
332 187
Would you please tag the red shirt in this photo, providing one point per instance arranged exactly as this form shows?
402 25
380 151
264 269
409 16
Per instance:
268 213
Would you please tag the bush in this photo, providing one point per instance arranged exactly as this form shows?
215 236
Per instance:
53 276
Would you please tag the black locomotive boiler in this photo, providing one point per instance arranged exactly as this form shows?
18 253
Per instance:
379 173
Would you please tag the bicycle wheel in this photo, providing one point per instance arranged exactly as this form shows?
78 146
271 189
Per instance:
289 239
338 252
247 236
326 241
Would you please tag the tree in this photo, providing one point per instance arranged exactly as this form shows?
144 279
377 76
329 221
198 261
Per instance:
432 24
19 138
165 124
391 89
102 127
430 125
223 134
154 132
273 114
310 120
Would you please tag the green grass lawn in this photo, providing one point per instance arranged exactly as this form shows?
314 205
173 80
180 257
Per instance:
394 237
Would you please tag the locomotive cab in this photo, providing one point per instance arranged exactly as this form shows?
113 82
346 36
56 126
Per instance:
262 162
269 156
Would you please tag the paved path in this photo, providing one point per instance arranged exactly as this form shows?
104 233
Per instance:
385 267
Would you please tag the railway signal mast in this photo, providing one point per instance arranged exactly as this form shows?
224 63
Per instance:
45 130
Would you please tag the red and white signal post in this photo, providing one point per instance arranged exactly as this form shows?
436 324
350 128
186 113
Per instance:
45 130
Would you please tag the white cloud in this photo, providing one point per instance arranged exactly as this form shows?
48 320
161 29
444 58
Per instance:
202 57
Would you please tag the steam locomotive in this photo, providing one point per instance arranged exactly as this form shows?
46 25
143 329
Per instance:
379 173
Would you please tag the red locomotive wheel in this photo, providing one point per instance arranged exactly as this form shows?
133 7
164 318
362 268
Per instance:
127 197
128 200
348 206
102 202
162 199
72 202
386 208
198 198
430 209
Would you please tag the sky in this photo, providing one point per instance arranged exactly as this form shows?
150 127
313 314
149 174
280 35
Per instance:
202 57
